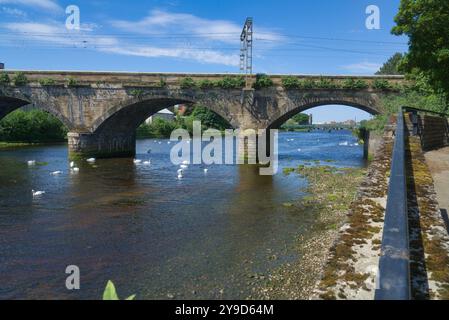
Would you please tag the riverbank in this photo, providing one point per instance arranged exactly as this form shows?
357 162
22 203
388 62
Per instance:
330 192
14 145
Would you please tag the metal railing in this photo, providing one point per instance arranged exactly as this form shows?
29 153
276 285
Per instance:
394 265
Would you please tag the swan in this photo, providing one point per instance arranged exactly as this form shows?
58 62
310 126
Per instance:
183 166
31 162
147 163
72 164
180 171
185 162
75 170
206 170
180 176
137 161
91 160
37 193
56 173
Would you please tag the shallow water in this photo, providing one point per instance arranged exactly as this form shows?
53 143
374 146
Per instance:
156 236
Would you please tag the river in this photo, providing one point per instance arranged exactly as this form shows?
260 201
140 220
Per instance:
153 235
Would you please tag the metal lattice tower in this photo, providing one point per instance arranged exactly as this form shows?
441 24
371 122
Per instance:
246 49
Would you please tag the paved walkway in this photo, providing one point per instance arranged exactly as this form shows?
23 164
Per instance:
438 162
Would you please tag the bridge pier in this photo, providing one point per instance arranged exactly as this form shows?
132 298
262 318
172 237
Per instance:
100 145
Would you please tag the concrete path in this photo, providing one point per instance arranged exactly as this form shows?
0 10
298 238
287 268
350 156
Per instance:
438 162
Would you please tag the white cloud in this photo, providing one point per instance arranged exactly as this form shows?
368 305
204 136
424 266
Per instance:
49 5
163 22
54 34
362 67
13 12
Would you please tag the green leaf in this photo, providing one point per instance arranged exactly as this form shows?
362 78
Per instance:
131 297
110 293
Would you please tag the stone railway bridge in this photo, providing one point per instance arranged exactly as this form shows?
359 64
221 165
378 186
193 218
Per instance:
103 109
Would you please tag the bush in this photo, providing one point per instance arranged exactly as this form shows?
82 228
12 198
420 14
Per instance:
231 82
353 84
263 81
381 84
290 82
20 79
205 84
324 83
4 78
72 82
187 83
31 126
307 84
47 82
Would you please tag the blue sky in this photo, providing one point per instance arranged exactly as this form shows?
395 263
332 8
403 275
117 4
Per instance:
291 37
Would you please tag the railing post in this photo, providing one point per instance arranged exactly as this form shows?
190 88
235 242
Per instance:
394 264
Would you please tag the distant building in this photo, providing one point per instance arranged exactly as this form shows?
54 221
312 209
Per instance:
310 119
163 114
2 66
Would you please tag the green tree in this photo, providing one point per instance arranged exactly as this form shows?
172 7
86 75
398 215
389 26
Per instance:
209 119
425 22
31 126
391 67
301 119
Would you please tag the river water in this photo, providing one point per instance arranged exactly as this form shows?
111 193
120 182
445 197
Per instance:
153 235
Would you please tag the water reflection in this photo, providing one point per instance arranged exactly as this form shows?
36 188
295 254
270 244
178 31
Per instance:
200 237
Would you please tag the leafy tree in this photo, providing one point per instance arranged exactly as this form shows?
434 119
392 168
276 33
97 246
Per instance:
391 67
31 126
209 119
425 22
301 119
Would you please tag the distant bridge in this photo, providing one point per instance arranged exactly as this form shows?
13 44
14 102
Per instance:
103 109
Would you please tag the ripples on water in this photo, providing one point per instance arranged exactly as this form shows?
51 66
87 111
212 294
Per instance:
152 234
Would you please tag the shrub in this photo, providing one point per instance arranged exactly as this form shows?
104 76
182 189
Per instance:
381 84
231 82
4 78
47 82
263 81
324 83
307 84
20 79
205 84
187 83
290 82
162 83
353 84
72 82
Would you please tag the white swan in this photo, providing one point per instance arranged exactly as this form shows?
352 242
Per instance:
185 162
72 164
147 163
206 170
180 176
75 170
183 166
37 193
91 160
137 161
31 162
180 171
56 173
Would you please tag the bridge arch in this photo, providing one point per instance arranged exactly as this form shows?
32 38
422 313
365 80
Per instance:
129 114
292 109
12 102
